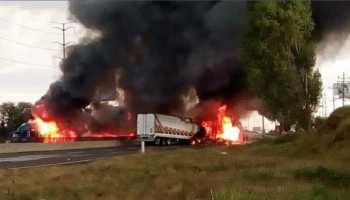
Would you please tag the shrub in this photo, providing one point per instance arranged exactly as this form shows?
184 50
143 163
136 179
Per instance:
343 130
337 117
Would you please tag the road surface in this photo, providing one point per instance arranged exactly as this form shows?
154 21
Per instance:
61 157
68 157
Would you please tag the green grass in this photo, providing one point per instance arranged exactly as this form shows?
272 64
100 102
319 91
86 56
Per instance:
290 167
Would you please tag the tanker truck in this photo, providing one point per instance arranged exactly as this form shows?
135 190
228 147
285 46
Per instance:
165 129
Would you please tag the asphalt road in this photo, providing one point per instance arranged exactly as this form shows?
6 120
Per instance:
62 157
76 156
70 157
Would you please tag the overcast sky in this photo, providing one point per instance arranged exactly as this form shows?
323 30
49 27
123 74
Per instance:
332 63
29 58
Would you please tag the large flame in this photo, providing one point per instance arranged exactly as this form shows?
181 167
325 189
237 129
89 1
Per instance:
229 132
223 130
52 129
46 128
50 132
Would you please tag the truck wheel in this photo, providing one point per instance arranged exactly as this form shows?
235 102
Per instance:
168 141
163 142
157 141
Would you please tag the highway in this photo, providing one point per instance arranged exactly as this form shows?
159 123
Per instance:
31 159
70 157
62 157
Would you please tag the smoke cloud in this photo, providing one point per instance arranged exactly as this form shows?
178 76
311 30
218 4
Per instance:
332 26
158 56
157 53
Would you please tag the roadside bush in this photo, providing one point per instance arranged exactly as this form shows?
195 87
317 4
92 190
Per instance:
343 130
335 119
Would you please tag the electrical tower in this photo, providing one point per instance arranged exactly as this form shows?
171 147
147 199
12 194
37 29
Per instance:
64 44
342 88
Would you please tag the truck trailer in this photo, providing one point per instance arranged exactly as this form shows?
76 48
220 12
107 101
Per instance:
165 129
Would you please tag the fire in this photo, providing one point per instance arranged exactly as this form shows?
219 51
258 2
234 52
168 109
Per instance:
46 128
223 130
229 132
50 132
52 129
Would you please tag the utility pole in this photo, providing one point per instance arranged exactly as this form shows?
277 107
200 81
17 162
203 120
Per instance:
263 124
325 105
343 88
64 44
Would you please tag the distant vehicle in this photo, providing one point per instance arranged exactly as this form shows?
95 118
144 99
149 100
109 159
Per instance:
24 133
165 129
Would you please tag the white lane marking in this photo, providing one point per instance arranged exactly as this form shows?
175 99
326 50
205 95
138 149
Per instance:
53 164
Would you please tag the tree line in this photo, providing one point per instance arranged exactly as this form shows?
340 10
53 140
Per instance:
12 115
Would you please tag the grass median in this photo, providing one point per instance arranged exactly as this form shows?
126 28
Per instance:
283 168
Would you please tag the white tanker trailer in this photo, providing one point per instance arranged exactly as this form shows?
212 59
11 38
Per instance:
165 129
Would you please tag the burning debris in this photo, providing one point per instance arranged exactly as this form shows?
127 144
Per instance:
223 129
51 129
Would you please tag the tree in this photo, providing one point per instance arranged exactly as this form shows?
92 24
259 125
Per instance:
280 54
12 115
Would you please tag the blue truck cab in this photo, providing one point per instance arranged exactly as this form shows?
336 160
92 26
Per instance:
24 133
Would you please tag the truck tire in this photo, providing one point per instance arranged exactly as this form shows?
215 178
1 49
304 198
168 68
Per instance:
157 141
163 142
168 141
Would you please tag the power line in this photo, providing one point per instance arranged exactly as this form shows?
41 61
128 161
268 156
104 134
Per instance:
27 27
25 44
24 62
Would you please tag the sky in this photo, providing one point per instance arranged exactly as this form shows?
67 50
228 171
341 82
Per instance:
332 61
30 57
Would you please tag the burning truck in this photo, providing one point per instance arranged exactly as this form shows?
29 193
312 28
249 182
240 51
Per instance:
167 130
159 129
45 128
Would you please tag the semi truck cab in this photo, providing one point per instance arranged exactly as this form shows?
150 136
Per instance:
24 133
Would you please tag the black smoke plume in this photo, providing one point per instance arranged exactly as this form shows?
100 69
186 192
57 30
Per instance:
159 52
155 51
331 16
332 27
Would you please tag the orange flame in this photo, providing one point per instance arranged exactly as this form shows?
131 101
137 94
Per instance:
49 131
229 132
223 129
